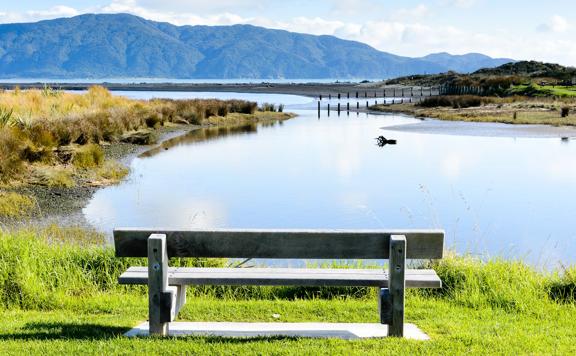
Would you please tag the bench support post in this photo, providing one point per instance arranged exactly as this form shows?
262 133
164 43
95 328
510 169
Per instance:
391 299
161 298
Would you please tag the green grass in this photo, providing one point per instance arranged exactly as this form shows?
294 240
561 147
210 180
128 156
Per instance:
536 90
58 297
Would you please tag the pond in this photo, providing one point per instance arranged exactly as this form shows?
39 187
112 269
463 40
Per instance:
499 192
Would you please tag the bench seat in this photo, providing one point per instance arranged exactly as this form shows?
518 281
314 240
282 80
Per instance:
415 278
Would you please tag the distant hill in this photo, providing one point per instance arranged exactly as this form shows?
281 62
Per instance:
122 45
531 69
528 78
466 63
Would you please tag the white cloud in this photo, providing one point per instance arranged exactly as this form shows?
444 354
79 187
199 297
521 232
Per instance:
460 3
414 13
51 13
556 24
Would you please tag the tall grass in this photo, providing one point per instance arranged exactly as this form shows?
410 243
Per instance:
34 123
42 269
14 205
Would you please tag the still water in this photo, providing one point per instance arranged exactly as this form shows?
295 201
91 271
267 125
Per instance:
498 194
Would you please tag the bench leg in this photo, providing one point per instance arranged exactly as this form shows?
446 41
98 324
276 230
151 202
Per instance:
391 300
180 299
161 298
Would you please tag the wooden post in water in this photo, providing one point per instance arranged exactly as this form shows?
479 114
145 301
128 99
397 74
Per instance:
367 105
365 94
338 96
328 109
318 108
356 95
348 95
348 106
338 109
357 105
329 96
320 96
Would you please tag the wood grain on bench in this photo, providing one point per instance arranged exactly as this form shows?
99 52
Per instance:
415 278
316 244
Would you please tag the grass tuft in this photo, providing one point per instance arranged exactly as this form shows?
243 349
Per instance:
88 156
14 205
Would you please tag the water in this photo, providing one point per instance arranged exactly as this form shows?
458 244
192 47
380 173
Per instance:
495 195
180 81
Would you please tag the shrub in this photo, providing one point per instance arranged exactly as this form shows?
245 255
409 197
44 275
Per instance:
153 120
268 107
455 101
436 101
54 177
10 155
14 205
88 156
112 171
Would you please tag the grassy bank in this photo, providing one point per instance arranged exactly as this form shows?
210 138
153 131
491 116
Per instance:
60 298
511 110
57 140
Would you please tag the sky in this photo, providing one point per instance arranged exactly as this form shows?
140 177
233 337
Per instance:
539 30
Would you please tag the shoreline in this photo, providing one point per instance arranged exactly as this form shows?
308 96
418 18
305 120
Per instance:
57 205
303 89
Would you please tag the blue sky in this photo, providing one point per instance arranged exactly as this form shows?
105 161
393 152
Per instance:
542 30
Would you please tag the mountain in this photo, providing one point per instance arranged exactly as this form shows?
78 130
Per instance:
122 45
465 63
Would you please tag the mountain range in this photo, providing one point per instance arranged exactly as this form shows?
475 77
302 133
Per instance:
127 46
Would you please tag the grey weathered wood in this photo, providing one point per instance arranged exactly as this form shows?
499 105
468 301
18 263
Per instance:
420 278
159 295
321 244
385 306
396 272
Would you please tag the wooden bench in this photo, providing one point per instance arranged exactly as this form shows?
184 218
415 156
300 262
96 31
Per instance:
167 286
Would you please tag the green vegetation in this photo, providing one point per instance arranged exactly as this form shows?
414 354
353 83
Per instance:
14 205
525 78
272 107
509 110
535 90
88 156
58 294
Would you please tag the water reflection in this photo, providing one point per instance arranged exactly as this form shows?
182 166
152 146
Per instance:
495 194
204 135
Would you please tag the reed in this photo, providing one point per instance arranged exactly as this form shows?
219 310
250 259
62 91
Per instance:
34 124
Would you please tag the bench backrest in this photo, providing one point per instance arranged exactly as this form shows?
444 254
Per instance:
312 244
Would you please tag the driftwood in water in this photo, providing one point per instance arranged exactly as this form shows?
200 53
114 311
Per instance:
383 141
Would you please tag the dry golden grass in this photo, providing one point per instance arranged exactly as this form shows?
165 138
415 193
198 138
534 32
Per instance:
14 205
36 124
